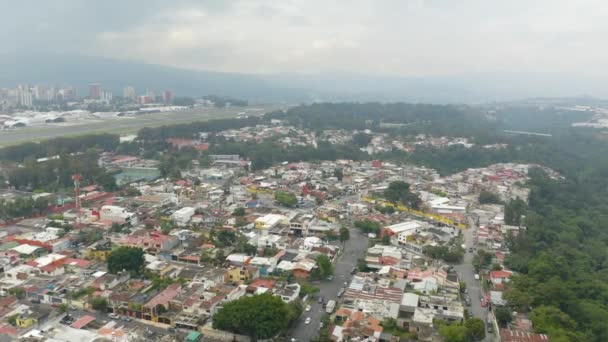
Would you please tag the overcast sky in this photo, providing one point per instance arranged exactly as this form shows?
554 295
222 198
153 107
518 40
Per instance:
395 37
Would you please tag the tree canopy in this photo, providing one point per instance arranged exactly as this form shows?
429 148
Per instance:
399 191
285 198
487 197
130 259
259 317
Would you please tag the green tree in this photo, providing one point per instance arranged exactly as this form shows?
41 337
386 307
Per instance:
549 319
285 198
487 197
324 266
399 191
130 259
17 292
386 240
115 228
307 289
166 228
475 328
453 332
62 308
100 304
362 139
259 317
367 226
514 210
344 234
12 319
239 211
338 173
503 316
361 265
518 299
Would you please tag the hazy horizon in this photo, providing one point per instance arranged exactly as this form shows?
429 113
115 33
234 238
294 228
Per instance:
490 50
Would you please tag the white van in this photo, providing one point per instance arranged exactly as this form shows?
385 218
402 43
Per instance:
476 276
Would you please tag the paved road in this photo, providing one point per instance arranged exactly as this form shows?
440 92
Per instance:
466 273
353 250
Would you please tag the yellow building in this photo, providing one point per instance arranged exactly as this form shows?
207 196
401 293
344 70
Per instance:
99 251
31 317
238 275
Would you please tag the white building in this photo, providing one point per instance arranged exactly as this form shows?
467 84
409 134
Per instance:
269 221
183 215
117 214
404 230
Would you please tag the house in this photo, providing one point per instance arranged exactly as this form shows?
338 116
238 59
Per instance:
33 315
409 302
183 215
269 221
159 304
28 251
238 259
302 268
99 251
149 241
404 231
500 277
117 214
240 275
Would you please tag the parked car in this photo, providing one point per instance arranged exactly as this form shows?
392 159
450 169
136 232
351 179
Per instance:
307 308
113 315
126 319
470 249
330 278
483 303
467 300
307 321
320 300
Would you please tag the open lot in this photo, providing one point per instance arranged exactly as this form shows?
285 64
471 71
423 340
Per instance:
123 125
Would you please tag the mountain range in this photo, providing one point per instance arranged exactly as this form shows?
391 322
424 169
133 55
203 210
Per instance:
290 87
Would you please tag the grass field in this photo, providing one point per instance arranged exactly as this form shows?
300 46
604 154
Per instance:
123 125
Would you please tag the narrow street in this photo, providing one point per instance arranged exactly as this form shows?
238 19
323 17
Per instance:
353 250
466 272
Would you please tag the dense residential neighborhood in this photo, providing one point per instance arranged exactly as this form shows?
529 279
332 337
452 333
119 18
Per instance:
369 250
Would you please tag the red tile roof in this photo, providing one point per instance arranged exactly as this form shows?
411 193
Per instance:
8 330
508 335
500 274
82 321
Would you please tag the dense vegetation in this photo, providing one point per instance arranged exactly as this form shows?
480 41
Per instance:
405 117
563 258
22 207
399 192
55 174
129 259
265 154
259 317
57 146
488 197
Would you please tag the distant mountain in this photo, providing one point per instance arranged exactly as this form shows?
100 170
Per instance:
79 71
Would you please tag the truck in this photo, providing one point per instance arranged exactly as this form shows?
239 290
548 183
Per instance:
331 305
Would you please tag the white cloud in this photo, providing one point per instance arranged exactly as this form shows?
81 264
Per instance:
399 37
